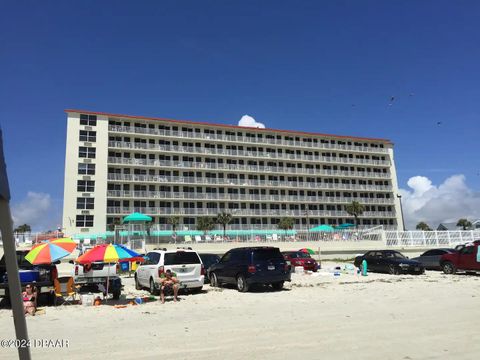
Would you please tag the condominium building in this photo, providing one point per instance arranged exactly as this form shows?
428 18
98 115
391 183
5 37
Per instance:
118 164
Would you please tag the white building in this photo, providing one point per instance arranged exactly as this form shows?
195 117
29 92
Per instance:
117 164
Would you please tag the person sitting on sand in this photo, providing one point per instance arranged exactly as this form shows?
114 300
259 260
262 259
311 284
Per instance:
29 297
168 280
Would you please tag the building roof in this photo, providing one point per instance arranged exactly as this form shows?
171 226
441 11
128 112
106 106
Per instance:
223 125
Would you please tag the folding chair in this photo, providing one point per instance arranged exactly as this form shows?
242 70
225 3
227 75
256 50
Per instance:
65 289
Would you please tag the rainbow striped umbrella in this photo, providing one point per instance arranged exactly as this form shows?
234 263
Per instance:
50 251
109 253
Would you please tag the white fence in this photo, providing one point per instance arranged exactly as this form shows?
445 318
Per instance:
385 238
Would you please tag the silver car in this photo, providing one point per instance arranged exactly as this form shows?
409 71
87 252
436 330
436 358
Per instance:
431 258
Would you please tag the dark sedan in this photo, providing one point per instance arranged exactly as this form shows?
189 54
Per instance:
389 261
208 260
431 258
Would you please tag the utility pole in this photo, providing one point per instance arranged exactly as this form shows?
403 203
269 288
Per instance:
401 210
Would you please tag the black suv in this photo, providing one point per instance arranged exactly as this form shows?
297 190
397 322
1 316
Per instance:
249 266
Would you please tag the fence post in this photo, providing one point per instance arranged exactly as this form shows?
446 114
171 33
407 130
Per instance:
448 237
423 237
436 237
410 235
471 235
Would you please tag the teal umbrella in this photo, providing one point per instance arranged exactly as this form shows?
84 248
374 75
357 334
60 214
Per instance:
136 217
324 228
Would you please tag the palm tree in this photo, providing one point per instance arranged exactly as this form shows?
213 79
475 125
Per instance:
286 223
224 219
173 221
423 226
25 228
464 223
205 224
355 209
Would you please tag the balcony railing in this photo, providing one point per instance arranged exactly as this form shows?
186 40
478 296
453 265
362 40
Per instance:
244 139
243 168
111 210
167 195
243 182
244 154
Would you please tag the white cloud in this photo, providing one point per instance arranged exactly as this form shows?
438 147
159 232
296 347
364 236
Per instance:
35 210
447 202
248 121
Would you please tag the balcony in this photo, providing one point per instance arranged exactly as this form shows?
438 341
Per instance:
240 212
242 154
243 168
175 180
243 139
166 195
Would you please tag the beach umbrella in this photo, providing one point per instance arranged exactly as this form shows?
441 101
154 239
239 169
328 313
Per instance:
307 250
109 253
324 228
50 251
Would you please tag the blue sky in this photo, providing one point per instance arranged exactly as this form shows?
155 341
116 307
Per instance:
326 66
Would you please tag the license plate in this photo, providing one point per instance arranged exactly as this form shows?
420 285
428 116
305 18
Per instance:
182 270
271 267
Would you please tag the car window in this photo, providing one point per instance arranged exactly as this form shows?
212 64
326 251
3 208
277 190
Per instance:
370 254
226 257
181 257
429 253
467 250
154 258
266 254
302 255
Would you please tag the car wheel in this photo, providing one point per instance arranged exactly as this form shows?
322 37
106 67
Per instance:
196 290
392 270
242 285
449 268
278 285
153 290
137 284
116 294
213 280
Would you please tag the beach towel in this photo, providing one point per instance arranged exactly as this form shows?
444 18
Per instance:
478 254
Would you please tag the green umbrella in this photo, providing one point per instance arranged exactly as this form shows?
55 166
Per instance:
307 250
136 217
324 228
344 226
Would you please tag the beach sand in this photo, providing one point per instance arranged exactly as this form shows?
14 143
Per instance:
432 316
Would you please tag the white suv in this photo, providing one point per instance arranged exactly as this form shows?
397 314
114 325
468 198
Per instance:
184 262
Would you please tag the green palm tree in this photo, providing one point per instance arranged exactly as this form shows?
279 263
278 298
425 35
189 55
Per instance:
286 223
25 228
355 209
205 223
224 219
464 223
173 221
423 226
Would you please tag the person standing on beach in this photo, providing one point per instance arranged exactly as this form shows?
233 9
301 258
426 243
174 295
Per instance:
168 279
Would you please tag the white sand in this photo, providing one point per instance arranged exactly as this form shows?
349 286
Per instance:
433 316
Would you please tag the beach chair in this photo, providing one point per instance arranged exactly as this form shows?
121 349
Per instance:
208 238
64 288
274 237
188 239
198 238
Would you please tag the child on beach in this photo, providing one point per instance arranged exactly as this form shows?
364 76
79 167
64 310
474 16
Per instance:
29 297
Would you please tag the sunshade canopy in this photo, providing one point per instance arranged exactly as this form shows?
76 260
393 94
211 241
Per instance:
325 228
136 217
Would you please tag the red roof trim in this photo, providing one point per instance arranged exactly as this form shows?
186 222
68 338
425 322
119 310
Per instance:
223 125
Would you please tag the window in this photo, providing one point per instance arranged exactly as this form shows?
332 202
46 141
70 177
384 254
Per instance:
86 152
84 220
86 169
90 136
85 203
180 258
89 120
85 185
153 258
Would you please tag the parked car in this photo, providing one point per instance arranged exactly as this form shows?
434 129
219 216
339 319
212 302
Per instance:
389 261
300 258
431 258
40 276
466 259
208 260
186 263
249 266
93 278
